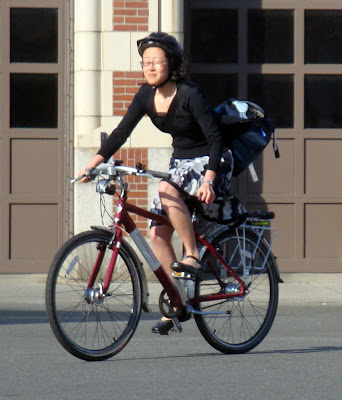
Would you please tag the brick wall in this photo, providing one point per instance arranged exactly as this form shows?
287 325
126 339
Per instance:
130 15
125 85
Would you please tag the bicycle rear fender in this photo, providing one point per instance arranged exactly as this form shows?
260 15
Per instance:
138 265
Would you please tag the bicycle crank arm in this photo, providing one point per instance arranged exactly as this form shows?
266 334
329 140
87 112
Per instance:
177 327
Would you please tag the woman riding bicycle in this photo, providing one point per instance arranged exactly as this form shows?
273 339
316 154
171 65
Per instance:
197 147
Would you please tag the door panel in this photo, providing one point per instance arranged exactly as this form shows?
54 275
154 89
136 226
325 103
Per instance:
38 173
33 233
34 124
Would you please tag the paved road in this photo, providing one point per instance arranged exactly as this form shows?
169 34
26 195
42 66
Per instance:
299 359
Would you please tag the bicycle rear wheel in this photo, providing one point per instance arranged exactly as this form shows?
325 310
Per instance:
92 328
237 325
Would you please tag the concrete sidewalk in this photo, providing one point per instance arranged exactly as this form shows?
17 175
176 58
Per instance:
297 288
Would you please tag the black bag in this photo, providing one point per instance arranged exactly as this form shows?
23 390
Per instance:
226 210
246 131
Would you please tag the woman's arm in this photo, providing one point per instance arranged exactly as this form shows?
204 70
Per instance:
120 134
134 114
204 115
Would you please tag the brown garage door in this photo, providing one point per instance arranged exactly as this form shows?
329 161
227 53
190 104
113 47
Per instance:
286 56
33 128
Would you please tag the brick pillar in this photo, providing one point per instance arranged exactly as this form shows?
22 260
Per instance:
130 15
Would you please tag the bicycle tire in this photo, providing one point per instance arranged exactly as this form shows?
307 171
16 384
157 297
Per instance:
244 321
95 331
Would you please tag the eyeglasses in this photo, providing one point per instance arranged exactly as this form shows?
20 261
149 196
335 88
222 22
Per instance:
146 64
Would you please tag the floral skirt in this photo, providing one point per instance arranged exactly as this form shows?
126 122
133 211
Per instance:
188 174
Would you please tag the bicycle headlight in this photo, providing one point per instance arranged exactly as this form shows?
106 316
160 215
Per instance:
104 186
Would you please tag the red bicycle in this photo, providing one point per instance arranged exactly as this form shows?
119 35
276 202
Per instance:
96 286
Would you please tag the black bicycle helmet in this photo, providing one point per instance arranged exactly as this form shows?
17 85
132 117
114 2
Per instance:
172 49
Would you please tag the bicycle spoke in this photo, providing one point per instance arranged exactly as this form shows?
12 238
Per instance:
239 324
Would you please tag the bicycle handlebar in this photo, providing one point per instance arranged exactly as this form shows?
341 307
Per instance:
113 170
159 174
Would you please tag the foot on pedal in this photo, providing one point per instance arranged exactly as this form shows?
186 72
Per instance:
163 327
167 327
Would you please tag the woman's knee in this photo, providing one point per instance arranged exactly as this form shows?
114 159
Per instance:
168 194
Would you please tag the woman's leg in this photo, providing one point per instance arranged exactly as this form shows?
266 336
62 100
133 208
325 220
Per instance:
161 236
174 206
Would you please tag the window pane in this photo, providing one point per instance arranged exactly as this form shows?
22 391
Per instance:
275 94
270 36
34 100
323 36
34 35
217 87
323 101
214 36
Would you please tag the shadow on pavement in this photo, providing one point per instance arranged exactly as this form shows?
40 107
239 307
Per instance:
20 317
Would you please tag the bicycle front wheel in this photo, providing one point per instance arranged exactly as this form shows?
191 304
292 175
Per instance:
90 327
238 324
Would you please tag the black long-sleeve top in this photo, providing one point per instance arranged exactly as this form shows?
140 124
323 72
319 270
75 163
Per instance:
193 127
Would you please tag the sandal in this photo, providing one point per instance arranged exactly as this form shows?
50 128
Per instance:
163 327
182 267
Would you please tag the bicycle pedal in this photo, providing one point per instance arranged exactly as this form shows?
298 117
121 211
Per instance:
177 328
173 331
166 333
170 332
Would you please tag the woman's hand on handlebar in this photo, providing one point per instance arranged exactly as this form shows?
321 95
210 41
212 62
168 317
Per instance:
97 160
206 193
84 172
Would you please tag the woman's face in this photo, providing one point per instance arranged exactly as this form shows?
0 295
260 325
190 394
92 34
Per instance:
155 66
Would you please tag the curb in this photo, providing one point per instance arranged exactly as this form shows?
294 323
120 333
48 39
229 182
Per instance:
297 289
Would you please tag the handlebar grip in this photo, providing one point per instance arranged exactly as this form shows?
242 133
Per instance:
92 173
158 174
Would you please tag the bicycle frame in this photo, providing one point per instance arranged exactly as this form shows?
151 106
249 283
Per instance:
233 298
122 218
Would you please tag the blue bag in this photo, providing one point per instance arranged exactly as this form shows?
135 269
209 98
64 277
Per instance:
246 131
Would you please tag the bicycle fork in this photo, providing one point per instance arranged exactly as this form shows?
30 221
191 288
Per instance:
97 295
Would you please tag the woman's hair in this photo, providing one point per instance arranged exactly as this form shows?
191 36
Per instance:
172 49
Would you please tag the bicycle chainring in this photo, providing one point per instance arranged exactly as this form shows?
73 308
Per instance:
165 306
